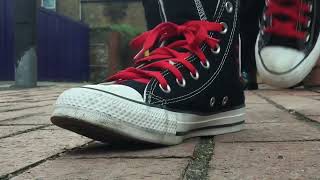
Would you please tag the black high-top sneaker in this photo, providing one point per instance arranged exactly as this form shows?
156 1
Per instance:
152 11
185 82
288 45
250 13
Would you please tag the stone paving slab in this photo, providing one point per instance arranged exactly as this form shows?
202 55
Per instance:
286 92
24 105
267 113
22 150
315 118
53 87
32 120
113 169
4 116
32 93
303 105
98 150
273 132
265 122
103 150
26 91
259 161
28 98
9 130
316 98
275 144
251 98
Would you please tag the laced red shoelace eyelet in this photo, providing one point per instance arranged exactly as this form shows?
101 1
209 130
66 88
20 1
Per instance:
225 28
216 50
229 7
166 90
181 83
310 7
307 38
165 58
205 65
295 12
195 76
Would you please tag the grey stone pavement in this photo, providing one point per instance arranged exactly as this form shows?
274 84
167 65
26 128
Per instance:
281 141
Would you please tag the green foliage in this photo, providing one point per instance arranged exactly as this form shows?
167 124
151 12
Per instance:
126 30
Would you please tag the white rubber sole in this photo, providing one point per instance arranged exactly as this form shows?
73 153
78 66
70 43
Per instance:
291 78
90 124
106 117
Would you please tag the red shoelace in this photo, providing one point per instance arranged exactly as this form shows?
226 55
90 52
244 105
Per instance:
295 13
195 33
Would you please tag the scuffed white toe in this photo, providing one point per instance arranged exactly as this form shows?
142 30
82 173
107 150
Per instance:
280 59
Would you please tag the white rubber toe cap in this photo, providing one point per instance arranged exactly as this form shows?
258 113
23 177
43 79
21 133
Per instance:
93 105
120 90
280 60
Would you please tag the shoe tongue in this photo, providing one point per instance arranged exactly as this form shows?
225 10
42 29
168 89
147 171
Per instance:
181 11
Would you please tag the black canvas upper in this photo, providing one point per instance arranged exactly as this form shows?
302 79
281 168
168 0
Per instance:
181 11
250 13
219 83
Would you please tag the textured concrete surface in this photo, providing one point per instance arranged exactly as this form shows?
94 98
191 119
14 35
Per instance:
281 140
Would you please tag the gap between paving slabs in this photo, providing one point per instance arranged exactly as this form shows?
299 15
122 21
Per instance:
298 115
198 165
25 131
196 169
26 168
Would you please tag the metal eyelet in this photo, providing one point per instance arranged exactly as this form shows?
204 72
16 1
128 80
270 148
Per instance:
262 29
195 76
212 101
261 26
264 17
310 7
167 90
206 65
225 100
181 84
225 28
309 23
216 50
307 38
229 7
